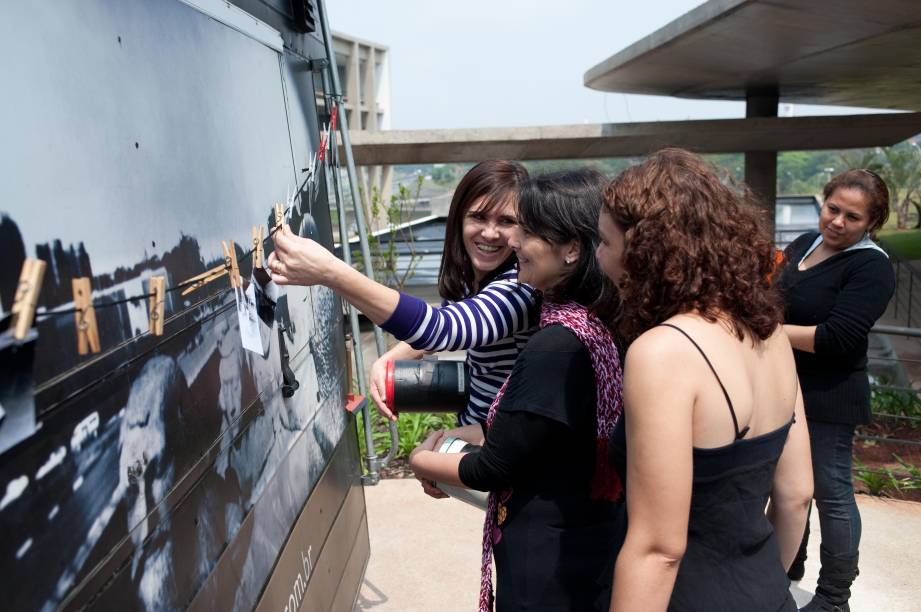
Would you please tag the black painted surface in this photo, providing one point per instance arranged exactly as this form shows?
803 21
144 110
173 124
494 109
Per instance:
138 134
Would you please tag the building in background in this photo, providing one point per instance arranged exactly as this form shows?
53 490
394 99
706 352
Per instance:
364 74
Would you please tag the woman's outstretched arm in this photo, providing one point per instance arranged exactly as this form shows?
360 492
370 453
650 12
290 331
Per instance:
301 261
501 309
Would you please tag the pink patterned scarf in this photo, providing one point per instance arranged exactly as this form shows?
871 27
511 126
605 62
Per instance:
609 382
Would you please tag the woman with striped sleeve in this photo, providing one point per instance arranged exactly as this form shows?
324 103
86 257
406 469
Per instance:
485 310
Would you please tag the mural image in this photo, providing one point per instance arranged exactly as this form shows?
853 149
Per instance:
129 476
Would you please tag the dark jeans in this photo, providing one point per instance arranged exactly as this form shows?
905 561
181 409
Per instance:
839 519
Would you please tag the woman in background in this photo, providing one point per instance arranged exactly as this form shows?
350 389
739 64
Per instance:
713 420
485 309
836 283
552 516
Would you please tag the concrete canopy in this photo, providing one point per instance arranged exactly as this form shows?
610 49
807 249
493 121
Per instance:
835 52
633 139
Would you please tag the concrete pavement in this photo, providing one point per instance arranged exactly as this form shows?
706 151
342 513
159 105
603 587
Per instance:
425 554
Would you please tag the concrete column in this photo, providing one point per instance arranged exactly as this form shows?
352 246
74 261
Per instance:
761 166
351 88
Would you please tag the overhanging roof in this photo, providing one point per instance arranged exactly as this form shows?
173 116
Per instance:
633 139
837 52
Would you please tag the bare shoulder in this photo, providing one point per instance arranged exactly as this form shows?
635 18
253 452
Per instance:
660 347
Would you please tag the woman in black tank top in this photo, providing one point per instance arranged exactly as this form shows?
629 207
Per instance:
708 436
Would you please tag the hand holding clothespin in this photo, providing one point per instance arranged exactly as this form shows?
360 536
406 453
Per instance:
85 317
26 299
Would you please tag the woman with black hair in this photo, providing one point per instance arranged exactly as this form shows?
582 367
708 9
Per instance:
552 514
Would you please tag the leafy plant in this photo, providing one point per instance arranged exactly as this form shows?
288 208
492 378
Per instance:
877 482
412 428
894 401
911 481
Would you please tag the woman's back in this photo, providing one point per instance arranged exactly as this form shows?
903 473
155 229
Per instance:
752 382
743 394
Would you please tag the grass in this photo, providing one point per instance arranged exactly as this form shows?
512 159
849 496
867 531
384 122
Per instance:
905 243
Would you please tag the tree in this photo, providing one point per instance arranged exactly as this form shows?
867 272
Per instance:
901 169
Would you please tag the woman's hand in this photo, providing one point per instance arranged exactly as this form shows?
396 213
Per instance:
432 442
471 434
378 386
378 376
300 261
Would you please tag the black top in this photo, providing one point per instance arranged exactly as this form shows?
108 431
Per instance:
843 297
732 561
556 550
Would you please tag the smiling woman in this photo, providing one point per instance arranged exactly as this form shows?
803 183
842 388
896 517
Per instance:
485 310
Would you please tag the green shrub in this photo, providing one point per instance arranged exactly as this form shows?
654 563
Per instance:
878 482
412 429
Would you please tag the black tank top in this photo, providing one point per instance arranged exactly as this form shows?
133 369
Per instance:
732 561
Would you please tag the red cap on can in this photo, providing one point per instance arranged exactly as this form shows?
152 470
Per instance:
388 386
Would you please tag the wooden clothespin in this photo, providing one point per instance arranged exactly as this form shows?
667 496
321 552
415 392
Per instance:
157 304
279 216
87 332
230 262
26 299
258 251
200 280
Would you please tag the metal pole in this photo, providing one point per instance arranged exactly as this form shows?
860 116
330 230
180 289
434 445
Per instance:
373 475
333 73
898 272
911 277
350 165
897 330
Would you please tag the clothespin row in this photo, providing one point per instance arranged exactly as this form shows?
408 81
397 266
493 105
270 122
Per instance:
85 317
157 307
258 251
26 298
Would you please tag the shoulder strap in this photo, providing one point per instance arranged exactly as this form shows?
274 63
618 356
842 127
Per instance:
735 422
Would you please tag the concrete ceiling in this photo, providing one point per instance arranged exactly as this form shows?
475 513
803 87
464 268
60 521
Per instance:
632 139
835 52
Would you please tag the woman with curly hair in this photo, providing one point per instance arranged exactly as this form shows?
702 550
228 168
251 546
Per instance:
837 282
713 421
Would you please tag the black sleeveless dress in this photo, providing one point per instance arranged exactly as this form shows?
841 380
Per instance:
732 561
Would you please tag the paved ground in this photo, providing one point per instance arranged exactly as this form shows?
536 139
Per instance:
425 554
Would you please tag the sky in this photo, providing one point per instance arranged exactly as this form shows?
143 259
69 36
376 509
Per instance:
508 63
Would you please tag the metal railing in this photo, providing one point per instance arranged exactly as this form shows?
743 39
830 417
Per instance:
905 305
902 396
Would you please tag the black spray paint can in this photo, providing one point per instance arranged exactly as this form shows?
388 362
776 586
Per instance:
427 386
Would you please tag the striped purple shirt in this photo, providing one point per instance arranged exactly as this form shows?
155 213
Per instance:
493 326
